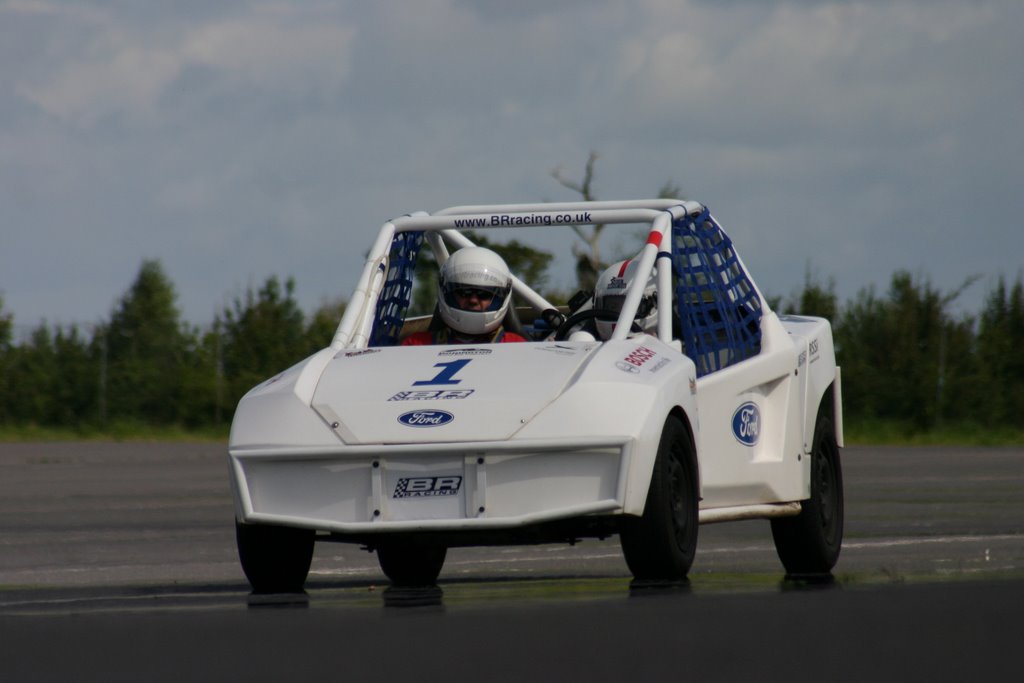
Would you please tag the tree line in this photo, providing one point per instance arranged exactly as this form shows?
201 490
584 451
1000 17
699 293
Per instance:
907 359
145 367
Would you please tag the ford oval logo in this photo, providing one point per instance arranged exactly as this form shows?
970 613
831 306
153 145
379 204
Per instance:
426 418
746 423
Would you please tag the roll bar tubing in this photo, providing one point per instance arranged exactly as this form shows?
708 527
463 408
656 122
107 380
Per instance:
354 328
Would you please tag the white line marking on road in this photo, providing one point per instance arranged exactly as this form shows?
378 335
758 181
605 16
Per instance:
930 540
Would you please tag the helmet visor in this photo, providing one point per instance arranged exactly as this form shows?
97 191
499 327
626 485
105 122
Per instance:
611 302
474 297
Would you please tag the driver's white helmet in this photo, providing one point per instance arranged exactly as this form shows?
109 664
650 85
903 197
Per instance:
474 268
610 293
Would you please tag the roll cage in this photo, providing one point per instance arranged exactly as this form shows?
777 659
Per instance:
716 306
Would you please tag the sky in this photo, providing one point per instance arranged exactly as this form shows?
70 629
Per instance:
234 141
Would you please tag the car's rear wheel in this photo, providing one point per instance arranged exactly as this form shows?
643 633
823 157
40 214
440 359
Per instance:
661 544
810 542
275 559
410 563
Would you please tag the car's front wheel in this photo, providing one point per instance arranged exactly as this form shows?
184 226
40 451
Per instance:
275 559
410 563
661 544
810 542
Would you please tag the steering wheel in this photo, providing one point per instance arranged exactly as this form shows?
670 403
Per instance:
579 317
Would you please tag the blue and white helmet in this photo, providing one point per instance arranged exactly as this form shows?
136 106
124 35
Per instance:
474 268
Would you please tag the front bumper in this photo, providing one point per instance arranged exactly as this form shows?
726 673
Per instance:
431 487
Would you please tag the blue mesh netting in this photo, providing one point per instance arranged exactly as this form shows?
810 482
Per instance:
397 290
719 310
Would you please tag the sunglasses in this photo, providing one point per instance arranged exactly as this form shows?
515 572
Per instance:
470 292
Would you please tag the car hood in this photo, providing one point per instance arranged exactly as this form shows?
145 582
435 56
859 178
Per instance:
430 394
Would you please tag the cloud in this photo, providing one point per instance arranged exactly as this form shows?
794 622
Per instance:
235 140
129 68
792 71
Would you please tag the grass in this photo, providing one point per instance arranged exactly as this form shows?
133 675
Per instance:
115 432
898 433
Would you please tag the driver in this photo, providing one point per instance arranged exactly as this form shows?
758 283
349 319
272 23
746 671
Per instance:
610 293
474 291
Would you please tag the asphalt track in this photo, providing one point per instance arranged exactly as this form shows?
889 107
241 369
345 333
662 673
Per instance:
117 563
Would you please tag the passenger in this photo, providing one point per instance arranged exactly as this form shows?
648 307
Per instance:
474 292
610 294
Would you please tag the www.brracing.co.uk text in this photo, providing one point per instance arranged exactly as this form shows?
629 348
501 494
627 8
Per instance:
516 220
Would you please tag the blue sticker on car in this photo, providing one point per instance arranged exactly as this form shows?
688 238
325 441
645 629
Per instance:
447 374
426 418
746 423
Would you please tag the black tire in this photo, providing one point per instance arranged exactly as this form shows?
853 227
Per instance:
810 542
662 543
275 559
410 563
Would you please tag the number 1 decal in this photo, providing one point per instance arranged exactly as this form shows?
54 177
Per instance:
446 374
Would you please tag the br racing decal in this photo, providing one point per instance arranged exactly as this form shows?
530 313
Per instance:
427 487
432 394
547 219
746 424
426 418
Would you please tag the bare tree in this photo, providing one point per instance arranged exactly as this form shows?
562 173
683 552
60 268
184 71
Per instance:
589 262
588 257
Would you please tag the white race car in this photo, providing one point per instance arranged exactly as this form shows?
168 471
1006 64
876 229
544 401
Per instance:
722 410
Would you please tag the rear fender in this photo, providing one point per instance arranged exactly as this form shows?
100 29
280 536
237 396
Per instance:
815 367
